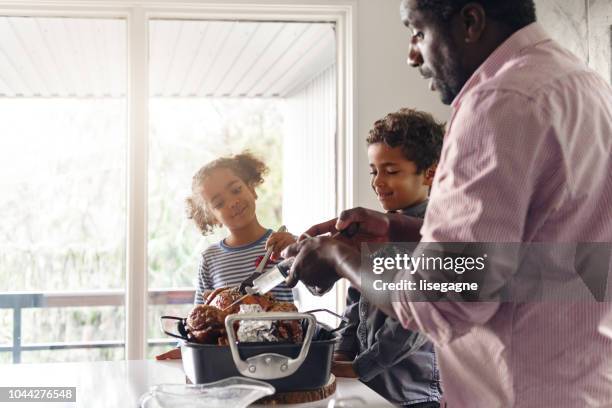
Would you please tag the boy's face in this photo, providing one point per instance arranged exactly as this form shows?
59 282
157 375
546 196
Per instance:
394 178
229 199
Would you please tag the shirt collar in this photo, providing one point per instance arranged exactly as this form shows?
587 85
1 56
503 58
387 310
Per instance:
416 210
515 44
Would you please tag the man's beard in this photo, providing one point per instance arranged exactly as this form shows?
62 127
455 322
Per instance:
447 92
448 80
451 75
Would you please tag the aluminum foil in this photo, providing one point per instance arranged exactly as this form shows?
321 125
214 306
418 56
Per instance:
255 330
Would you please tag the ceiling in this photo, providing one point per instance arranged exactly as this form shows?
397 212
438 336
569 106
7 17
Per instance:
86 58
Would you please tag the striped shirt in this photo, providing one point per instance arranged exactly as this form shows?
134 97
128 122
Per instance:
222 266
527 158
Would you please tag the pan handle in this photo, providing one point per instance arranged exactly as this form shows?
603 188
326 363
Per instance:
342 318
269 366
180 319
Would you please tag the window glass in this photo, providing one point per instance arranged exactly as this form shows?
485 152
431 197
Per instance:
62 188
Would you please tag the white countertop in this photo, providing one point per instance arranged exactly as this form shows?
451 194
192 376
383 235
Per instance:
118 384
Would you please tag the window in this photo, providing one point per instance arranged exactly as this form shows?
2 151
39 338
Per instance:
219 88
62 188
101 138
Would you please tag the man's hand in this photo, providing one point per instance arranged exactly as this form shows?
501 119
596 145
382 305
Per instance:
320 262
374 226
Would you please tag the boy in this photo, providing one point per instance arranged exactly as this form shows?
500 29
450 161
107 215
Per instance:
403 150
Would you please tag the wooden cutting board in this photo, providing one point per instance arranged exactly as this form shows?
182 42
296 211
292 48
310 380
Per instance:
299 397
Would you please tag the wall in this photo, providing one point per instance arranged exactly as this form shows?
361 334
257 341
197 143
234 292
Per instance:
385 82
582 26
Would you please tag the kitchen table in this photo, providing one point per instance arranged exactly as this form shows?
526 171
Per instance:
118 384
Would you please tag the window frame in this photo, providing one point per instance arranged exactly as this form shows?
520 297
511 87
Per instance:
137 15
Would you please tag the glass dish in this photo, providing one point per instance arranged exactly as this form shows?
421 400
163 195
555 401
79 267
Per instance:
232 392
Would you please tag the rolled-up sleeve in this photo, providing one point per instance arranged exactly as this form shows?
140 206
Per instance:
392 344
481 193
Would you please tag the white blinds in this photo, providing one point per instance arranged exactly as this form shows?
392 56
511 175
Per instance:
309 168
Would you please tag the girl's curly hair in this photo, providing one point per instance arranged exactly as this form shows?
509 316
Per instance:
245 165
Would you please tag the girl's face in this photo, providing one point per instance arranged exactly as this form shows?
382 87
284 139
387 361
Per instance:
229 199
395 179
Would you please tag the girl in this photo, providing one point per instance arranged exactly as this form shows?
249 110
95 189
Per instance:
223 194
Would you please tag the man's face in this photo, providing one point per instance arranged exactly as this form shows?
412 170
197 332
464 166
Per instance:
434 51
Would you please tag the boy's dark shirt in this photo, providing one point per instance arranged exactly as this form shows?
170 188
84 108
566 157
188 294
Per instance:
397 363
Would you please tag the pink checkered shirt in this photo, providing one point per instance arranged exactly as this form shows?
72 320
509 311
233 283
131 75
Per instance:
527 158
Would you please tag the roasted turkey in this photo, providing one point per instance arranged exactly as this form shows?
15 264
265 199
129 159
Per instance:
206 323
288 330
224 298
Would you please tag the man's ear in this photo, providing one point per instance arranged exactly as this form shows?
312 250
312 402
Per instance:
474 20
429 175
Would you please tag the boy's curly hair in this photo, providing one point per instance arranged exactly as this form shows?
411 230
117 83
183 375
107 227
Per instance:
245 165
416 132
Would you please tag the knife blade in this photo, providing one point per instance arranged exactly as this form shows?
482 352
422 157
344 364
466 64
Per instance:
269 280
